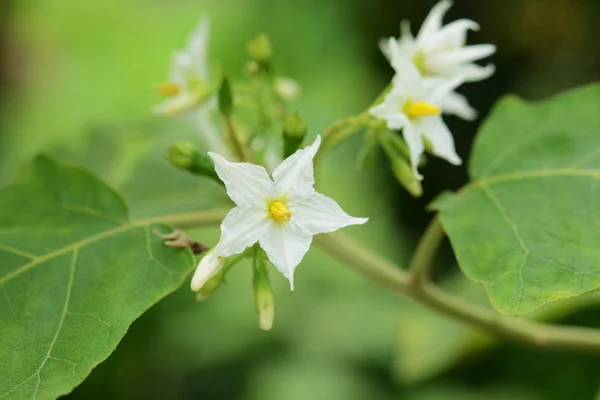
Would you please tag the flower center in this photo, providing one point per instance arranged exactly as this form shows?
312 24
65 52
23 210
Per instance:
280 211
419 62
169 89
419 109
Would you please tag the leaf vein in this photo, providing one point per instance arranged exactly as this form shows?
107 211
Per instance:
19 252
90 211
62 318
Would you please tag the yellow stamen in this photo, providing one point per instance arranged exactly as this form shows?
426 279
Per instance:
421 109
169 89
280 211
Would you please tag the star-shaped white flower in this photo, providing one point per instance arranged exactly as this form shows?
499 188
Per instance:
414 106
187 89
441 52
282 213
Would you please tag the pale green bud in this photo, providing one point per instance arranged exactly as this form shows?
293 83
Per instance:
208 267
264 300
260 49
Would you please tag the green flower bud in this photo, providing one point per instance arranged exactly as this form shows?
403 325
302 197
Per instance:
260 49
182 154
264 300
185 156
210 286
404 174
294 131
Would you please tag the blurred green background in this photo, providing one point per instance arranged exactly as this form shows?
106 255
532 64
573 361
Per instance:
78 79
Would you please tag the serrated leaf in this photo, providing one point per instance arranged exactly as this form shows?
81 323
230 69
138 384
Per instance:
527 227
75 272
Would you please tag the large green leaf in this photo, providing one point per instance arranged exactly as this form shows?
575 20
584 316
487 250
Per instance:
527 227
75 272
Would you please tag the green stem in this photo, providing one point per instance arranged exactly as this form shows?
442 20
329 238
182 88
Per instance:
392 277
425 252
233 139
345 128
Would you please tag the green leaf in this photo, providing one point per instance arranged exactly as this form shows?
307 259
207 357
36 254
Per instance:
75 272
528 226
225 98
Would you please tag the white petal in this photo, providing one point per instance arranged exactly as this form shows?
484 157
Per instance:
285 244
457 104
391 109
294 176
208 267
407 75
433 22
405 31
474 72
241 228
320 214
204 121
180 68
247 184
452 35
412 137
177 105
385 47
436 89
463 55
441 140
198 49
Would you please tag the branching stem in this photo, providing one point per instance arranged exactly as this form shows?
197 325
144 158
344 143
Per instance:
392 277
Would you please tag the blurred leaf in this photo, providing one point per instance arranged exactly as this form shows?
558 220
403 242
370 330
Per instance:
297 377
75 273
459 392
428 343
527 227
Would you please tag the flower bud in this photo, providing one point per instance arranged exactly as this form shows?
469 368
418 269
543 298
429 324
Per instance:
210 286
260 49
264 300
405 175
185 156
208 267
294 131
287 88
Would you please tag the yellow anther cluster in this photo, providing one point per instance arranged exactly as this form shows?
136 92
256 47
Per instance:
280 211
169 89
421 109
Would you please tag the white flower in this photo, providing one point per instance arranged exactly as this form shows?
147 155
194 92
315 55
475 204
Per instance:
189 74
208 267
441 51
282 213
413 106
188 88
